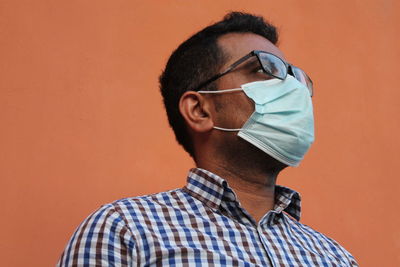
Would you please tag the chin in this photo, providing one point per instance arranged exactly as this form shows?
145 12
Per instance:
243 154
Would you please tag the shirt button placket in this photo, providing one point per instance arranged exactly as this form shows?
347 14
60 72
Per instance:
262 230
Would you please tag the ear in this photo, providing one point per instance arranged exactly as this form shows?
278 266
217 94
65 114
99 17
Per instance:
196 111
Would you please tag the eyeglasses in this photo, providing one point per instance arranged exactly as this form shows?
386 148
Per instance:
271 65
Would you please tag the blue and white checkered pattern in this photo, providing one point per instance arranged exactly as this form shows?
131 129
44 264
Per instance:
201 224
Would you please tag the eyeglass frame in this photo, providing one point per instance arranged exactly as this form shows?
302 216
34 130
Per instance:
252 54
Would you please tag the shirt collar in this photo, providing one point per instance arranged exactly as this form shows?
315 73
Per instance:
212 190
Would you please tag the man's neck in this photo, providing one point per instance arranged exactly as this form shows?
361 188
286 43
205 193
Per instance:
254 187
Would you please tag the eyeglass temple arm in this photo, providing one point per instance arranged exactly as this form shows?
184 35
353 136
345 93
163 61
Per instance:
229 69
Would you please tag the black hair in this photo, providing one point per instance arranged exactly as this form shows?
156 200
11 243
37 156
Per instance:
199 58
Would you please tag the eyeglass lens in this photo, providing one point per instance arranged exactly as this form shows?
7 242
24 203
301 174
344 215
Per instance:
273 65
302 77
276 67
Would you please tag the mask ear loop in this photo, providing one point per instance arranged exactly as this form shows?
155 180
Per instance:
221 92
226 129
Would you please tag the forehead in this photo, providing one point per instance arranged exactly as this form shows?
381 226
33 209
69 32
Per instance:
237 45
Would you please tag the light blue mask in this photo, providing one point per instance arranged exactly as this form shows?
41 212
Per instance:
282 124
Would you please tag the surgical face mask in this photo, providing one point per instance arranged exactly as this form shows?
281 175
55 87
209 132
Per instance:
282 124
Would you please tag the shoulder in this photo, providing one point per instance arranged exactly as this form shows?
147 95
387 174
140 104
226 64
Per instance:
140 212
120 209
132 206
109 234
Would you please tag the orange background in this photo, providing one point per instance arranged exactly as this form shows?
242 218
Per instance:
82 122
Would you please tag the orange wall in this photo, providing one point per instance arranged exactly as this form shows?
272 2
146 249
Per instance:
82 122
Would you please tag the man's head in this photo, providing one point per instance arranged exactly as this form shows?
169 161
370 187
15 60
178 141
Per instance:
204 55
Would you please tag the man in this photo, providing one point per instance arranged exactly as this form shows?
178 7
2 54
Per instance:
244 114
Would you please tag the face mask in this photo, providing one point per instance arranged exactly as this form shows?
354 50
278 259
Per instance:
282 124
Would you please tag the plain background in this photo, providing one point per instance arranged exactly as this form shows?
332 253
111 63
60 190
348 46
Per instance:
82 122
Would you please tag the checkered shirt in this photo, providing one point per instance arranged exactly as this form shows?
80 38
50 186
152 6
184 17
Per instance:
201 224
